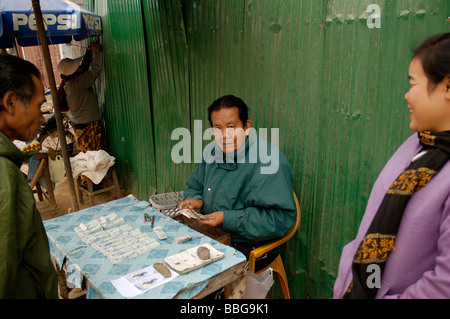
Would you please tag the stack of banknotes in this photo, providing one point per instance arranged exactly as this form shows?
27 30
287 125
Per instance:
117 243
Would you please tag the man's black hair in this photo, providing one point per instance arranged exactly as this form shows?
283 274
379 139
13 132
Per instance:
229 101
15 75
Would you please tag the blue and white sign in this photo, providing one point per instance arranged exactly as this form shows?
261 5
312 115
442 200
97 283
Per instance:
63 21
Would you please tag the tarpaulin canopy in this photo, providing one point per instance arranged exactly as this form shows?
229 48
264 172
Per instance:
63 21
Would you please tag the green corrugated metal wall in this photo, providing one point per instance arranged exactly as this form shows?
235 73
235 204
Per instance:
168 56
314 69
126 96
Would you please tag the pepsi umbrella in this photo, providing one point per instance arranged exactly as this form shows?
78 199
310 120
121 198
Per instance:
63 21
53 22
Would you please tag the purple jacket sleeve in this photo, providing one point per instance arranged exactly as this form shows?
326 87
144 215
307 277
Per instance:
435 283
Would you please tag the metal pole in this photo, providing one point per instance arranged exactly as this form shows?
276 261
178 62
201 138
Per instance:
56 106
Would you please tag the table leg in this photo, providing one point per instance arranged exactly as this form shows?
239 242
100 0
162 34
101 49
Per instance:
39 192
90 187
48 182
235 276
62 280
38 174
236 289
80 192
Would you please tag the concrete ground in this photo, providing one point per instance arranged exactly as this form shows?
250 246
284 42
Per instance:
64 201
64 206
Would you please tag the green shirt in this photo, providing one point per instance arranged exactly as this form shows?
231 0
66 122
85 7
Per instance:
26 270
257 206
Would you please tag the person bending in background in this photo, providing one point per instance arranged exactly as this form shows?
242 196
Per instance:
77 81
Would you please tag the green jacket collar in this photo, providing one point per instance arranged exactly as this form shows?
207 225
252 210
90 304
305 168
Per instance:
10 151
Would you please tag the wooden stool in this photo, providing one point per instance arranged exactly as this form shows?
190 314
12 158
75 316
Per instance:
90 187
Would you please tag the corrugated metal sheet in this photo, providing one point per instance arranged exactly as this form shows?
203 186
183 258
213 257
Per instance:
168 56
361 118
314 69
335 89
125 94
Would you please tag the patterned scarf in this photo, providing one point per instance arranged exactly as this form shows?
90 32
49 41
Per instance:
379 240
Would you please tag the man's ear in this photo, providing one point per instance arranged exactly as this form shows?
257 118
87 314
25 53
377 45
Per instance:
9 102
247 127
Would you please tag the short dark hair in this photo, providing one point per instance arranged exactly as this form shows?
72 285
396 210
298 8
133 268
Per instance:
229 101
15 75
434 53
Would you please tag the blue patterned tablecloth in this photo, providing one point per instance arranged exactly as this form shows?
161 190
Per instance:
65 243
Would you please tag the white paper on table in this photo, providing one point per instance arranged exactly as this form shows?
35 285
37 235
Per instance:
189 260
140 281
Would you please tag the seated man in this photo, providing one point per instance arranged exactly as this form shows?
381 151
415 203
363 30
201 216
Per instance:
232 188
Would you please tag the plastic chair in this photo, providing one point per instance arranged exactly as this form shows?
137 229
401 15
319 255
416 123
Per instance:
277 264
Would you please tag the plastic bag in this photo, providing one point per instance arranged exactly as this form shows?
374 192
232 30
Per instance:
56 169
258 285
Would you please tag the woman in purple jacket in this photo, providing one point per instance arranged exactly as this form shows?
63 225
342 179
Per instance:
402 249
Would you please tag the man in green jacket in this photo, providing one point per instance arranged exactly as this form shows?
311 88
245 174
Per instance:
26 270
235 188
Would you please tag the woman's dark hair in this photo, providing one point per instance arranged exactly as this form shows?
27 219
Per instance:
228 101
15 75
434 53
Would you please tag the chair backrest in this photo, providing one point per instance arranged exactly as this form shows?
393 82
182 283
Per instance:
276 242
291 232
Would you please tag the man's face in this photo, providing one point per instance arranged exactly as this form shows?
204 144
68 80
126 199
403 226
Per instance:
25 123
229 131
